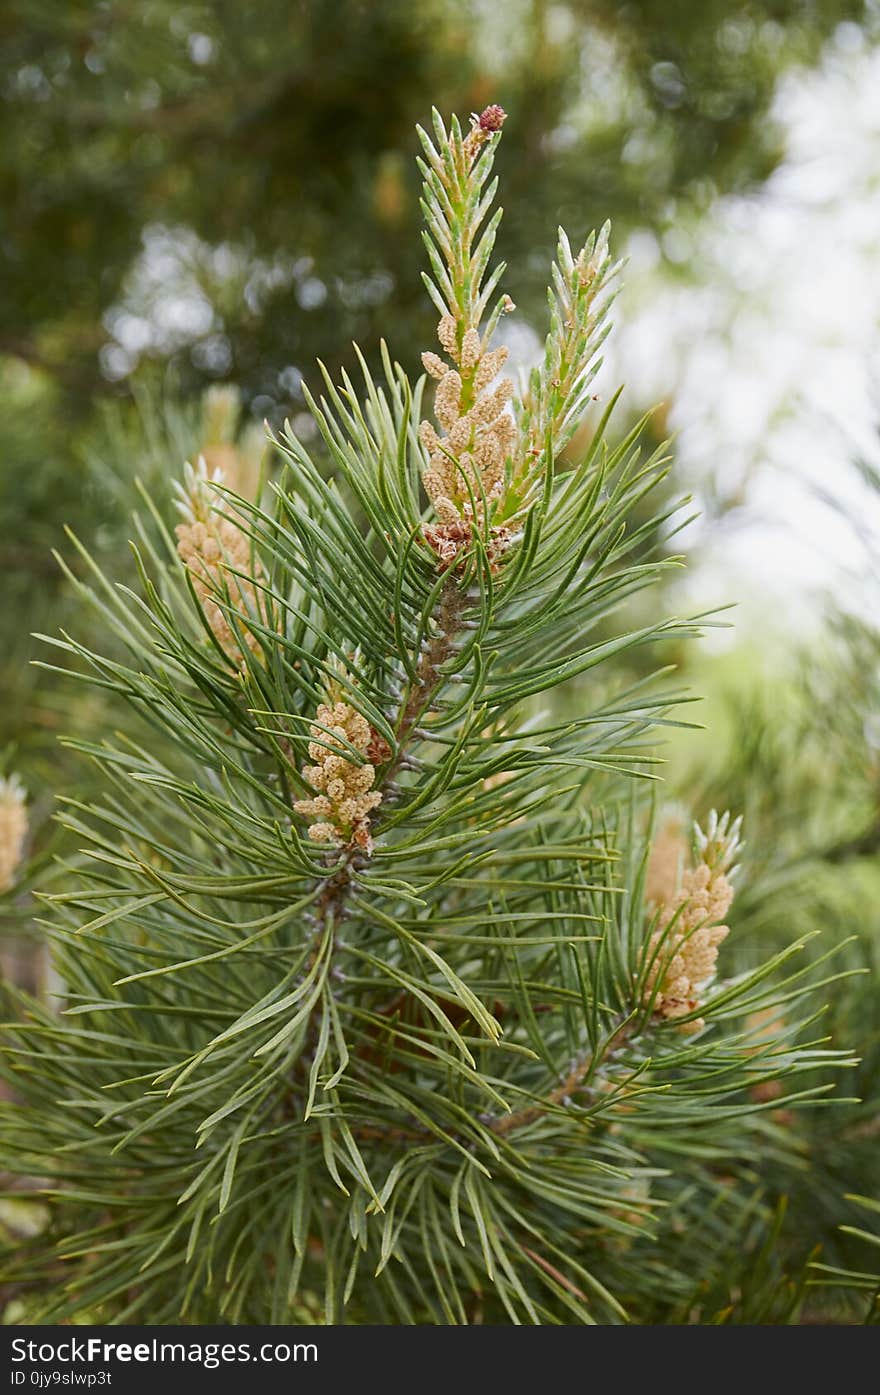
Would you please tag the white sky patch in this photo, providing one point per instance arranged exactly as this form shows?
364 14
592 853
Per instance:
768 353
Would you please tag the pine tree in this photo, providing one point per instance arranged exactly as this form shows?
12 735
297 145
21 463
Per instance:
384 1000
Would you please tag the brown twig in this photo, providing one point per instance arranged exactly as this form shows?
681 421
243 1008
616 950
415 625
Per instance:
555 1273
428 675
517 1119
508 1123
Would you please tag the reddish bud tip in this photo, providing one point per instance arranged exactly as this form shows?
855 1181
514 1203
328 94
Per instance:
492 119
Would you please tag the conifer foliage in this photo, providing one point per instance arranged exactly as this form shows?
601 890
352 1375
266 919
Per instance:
370 1013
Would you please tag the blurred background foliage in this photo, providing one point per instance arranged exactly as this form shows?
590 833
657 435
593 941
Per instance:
234 190
194 195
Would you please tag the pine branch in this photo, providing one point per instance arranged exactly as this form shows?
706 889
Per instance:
368 1006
